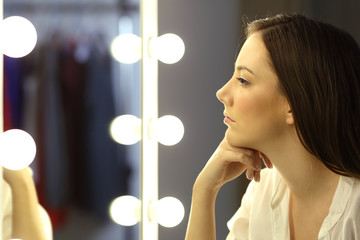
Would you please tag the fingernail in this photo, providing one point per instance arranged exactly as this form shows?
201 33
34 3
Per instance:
250 176
257 177
258 166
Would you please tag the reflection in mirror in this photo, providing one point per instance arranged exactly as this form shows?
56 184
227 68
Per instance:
65 94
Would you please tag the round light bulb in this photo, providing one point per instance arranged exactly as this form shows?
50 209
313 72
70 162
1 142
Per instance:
168 48
167 130
18 36
17 149
169 212
126 129
125 210
126 48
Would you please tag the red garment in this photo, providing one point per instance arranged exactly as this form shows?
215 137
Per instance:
6 105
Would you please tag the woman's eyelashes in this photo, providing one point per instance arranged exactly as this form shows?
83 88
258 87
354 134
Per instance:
243 82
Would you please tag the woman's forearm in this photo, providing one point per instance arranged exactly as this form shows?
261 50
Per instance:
201 225
227 163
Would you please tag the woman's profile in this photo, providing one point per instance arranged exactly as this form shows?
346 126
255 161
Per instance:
293 103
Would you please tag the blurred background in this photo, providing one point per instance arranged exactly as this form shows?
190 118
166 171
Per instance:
70 88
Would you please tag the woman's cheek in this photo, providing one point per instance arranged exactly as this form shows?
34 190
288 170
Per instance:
246 106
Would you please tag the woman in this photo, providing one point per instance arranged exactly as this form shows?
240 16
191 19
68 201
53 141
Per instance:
293 102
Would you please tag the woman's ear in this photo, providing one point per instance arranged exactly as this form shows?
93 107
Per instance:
290 118
289 115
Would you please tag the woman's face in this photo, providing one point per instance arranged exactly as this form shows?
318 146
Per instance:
255 109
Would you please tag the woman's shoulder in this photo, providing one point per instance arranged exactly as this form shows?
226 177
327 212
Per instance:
353 186
344 219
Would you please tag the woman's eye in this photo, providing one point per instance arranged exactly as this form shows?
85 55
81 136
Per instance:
243 81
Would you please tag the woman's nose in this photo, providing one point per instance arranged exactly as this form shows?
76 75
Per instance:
223 94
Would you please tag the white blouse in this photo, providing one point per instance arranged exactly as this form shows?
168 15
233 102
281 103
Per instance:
264 211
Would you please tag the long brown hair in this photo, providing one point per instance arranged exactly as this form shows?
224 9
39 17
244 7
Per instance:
318 67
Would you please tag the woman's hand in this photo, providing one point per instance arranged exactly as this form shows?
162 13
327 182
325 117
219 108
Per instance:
229 162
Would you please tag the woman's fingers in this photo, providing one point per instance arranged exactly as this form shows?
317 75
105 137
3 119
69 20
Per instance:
257 176
228 162
266 160
245 156
250 161
252 174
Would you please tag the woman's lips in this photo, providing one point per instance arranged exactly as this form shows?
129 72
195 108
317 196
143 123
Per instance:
228 119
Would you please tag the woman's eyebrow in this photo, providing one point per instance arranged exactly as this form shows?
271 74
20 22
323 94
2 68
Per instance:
240 68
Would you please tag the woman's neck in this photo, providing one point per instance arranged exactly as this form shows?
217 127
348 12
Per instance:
306 176
309 181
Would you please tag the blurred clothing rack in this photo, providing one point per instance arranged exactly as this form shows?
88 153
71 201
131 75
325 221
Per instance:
72 17
121 6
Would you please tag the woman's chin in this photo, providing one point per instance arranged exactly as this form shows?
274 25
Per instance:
235 140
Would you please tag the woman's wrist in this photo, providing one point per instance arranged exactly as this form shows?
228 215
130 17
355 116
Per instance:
204 188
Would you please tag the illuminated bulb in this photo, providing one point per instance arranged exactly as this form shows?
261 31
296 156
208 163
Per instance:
126 48
168 48
18 36
17 149
125 210
167 130
168 212
126 129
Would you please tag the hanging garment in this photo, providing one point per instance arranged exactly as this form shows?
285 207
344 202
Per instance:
107 171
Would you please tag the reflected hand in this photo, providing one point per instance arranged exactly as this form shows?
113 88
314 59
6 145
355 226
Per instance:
17 177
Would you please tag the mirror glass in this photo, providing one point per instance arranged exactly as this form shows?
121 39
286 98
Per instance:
65 94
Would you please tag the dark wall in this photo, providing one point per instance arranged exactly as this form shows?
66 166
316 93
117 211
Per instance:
210 30
343 14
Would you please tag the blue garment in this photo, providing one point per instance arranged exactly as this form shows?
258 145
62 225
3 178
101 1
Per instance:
13 71
55 147
105 159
